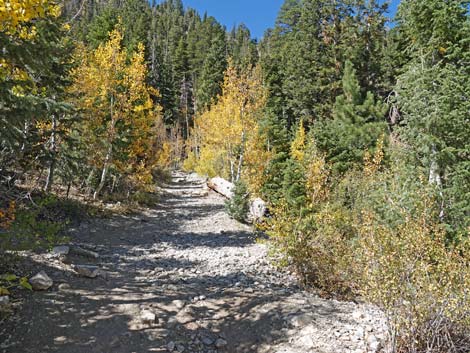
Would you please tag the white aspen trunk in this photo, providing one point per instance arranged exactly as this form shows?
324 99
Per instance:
104 172
109 154
53 150
435 178
241 157
221 186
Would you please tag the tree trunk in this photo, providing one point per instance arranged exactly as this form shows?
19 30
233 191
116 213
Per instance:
435 178
221 186
241 157
104 172
109 154
53 150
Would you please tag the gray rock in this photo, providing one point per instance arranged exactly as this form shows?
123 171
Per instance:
64 287
357 315
171 346
178 304
4 300
207 341
41 281
220 343
83 252
148 317
180 348
373 343
87 270
61 250
301 320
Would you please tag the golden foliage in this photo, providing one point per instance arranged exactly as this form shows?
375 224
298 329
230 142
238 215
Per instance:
416 277
227 133
16 14
112 92
342 244
297 150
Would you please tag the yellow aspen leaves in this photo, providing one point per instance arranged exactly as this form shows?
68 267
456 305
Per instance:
297 150
227 133
120 117
15 14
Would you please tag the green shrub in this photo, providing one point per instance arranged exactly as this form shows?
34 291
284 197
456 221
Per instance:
377 233
238 206
39 224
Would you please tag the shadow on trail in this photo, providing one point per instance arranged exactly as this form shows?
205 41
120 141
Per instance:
143 271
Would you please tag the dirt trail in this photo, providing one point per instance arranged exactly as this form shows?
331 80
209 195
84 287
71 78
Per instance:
203 275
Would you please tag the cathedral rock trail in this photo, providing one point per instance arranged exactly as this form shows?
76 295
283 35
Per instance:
181 277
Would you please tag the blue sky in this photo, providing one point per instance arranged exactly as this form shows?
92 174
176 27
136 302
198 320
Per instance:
258 15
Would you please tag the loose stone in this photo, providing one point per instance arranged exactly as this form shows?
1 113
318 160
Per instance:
4 300
41 281
87 270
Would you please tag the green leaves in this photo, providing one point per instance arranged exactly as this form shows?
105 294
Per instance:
10 281
9 277
24 283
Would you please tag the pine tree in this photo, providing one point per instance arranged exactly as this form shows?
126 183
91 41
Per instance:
238 206
212 75
433 93
358 123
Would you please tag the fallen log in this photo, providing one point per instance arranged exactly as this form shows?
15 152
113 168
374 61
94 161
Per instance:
221 186
225 188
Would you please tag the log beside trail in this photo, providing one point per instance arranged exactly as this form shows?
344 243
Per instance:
225 188
222 186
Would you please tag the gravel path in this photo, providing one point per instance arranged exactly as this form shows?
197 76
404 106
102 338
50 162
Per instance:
182 277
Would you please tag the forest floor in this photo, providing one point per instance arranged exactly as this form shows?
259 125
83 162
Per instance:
205 277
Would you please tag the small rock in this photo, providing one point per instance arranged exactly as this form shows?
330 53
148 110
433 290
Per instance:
41 281
301 320
220 343
87 270
171 346
207 341
4 300
178 304
61 250
115 341
202 297
357 315
148 317
373 343
64 287
180 348
83 252
249 290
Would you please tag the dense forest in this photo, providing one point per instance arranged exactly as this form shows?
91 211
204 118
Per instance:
354 131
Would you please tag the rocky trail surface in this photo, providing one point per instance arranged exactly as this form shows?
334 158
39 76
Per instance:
182 277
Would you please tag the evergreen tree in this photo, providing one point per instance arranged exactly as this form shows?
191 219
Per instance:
433 93
212 75
358 123
239 205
